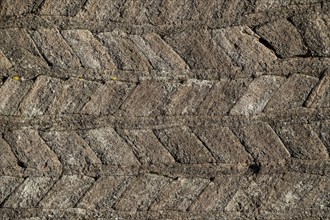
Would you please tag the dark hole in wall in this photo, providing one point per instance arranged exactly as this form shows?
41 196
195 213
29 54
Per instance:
255 168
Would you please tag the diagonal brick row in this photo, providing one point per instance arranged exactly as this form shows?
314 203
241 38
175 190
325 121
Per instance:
46 48
238 48
220 13
91 152
53 96
150 192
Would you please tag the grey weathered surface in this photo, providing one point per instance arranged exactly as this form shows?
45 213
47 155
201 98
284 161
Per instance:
168 109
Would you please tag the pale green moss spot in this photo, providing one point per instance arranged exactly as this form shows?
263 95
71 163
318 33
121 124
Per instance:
17 78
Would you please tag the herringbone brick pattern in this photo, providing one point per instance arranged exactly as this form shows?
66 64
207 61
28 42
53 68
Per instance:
184 109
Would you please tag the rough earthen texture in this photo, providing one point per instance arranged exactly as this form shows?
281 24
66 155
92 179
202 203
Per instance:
213 109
